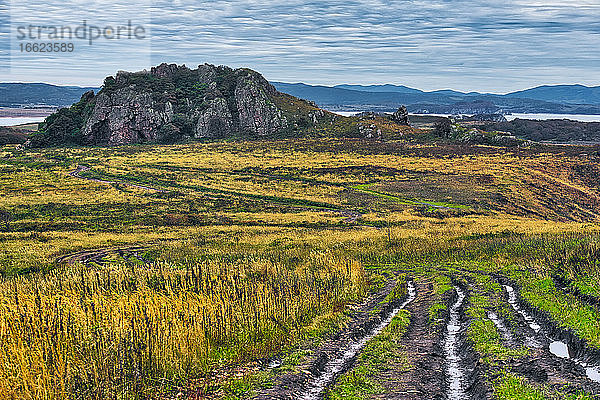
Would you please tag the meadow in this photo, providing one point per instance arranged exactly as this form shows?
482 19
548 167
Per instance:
202 263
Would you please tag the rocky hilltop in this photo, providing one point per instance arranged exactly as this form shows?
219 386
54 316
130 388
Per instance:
172 103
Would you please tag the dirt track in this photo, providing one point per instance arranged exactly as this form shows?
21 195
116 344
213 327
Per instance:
425 380
98 255
542 365
81 168
335 356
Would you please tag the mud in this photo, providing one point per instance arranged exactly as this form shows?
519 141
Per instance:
454 370
334 368
557 358
443 364
423 346
474 385
337 354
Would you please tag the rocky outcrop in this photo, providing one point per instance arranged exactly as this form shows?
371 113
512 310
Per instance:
173 103
126 116
401 116
257 113
216 121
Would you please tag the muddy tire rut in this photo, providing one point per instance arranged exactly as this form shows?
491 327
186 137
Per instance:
336 356
423 345
557 358
442 363
465 374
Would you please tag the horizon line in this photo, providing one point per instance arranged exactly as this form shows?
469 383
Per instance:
350 84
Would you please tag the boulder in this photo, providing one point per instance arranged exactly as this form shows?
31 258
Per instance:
401 116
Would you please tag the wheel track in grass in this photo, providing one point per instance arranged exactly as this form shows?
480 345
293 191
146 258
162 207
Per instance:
98 255
557 357
350 216
423 347
311 379
539 333
570 373
77 173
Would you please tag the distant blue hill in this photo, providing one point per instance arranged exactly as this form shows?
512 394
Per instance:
380 88
574 94
19 94
565 99
388 88
560 99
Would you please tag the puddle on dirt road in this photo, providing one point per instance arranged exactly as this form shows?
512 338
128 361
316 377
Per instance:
512 299
561 349
335 367
508 337
593 373
451 347
557 348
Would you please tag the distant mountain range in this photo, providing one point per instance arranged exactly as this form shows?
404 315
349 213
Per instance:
23 94
562 99
559 99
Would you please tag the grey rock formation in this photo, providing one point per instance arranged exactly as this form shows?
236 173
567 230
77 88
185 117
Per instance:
171 103
216 121
126 116
257 113
401 116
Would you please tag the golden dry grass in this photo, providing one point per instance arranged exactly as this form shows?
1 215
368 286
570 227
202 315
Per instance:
252 243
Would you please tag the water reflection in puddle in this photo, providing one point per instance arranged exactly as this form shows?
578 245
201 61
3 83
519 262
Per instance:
455 374
335 367
593 373
560 349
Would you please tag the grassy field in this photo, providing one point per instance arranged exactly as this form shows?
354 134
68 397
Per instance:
253 250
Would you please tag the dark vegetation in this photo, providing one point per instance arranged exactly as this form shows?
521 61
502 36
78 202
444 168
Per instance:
556 130
10 135
65 126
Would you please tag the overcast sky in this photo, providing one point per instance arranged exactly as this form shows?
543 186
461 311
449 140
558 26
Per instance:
492 46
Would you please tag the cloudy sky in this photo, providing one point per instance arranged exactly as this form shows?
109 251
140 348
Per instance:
493 46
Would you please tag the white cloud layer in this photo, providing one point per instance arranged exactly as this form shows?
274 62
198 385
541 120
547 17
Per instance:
485 45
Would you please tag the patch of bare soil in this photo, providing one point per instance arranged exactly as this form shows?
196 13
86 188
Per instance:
425 379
